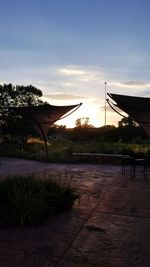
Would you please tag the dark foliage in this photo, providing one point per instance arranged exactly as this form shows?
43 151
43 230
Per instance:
105 134
15 96
28 201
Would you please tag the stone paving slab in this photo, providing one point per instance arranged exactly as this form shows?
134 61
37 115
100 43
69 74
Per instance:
112 240
52 238
126 201
17 258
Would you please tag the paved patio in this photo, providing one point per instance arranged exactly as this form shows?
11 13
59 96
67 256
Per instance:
109 225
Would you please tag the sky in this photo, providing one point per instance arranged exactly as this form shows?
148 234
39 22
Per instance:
70 48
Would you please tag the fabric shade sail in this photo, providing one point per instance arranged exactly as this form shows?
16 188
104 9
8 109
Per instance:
138 108
43 116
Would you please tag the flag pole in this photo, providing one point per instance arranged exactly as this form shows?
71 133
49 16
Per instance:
105 102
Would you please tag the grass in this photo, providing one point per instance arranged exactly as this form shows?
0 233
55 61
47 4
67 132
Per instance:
30 200
61 150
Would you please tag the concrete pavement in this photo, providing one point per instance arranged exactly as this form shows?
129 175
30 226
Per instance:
109 225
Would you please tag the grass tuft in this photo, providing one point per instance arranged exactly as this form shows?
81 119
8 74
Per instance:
28 200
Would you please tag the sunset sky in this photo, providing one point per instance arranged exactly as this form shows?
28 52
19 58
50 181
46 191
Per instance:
70 48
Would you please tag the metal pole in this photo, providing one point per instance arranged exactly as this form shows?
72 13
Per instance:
105 101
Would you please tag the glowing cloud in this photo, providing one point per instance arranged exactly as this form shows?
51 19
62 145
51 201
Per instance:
70 71
64 96
82 74
131 84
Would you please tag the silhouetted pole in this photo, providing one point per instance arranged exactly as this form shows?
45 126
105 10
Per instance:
105 102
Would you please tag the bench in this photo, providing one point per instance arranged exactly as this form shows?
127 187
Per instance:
100 157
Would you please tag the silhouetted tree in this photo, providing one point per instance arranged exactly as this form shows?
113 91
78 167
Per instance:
19 95
15 96
127 121
83 122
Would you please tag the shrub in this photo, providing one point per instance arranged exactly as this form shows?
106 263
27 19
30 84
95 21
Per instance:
28 200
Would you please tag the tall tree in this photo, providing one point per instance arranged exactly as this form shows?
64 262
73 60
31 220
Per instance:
15 96
19 95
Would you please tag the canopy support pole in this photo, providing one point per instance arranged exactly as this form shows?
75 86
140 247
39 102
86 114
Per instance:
44 137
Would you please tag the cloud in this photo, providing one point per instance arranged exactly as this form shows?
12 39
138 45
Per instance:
64 96
131 84
137 84
84 74
71 71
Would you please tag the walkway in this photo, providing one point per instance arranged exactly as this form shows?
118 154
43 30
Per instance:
108 227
